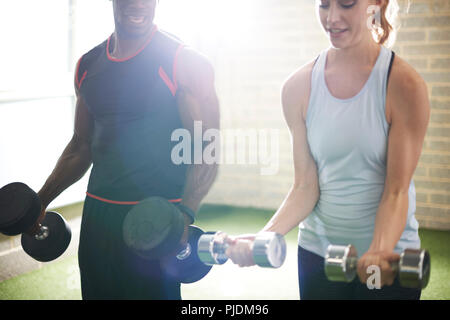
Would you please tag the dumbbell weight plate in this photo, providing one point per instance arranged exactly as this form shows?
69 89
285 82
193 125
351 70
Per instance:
212 247
54 244
153 228
269 249
186 267
340 263
20 208
414 268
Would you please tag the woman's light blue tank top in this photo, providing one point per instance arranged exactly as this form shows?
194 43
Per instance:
348 140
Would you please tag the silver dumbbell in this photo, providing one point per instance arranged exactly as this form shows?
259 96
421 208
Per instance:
413 268
269 249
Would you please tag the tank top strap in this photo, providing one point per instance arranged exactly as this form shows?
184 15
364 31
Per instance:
316 88
384 71
378 84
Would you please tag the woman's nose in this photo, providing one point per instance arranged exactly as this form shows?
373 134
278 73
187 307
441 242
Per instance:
333 14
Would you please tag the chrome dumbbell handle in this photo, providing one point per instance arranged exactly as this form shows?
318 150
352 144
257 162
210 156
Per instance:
212 248
413 267
42 233
342 263
269 249
185 253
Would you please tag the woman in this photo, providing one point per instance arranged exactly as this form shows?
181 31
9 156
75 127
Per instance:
357 118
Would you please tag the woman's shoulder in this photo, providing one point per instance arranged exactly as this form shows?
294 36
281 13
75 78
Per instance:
296 89
404 78
407 90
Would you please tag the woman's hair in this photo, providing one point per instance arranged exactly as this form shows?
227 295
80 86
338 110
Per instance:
386 31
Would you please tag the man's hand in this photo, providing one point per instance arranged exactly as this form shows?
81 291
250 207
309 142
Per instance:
381 259
35 228
185 237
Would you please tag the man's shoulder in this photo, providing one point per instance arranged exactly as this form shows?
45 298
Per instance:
167 42
170 37
86 60
95 51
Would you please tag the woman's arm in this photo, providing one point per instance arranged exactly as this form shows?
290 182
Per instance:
407 111
304 193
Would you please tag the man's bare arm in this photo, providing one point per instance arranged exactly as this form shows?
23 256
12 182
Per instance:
75 159
197 101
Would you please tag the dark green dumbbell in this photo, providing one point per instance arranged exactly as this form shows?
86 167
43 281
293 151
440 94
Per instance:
153 230
413 268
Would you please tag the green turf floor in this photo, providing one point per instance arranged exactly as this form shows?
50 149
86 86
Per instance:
60 279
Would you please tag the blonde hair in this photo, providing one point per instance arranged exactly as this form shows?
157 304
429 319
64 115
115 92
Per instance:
386 32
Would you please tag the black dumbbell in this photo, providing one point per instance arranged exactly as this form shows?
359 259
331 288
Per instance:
413 268
269 249
153 230
186 266
20 208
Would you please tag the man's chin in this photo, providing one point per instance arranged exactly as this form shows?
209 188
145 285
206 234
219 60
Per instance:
132 33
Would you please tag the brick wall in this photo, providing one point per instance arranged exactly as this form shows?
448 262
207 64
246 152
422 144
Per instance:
283 35
424 41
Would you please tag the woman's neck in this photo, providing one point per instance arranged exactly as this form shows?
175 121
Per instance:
362 54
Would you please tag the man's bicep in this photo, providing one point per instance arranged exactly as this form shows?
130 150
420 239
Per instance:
197 98
210 110
84 123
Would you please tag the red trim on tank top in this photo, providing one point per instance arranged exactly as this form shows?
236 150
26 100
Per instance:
172 87
78 83
76 71
123 202
171 84
82 79
153 31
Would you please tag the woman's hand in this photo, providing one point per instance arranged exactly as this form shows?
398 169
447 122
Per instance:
240 249
381 259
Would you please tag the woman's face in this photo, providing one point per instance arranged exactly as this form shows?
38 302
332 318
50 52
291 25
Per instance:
345 21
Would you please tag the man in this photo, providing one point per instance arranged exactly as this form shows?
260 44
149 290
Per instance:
133 90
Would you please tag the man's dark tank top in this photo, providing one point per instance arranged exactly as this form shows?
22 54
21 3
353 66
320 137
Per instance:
132 102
